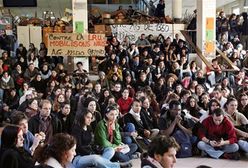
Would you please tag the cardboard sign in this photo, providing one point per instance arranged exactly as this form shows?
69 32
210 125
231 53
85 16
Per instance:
72 44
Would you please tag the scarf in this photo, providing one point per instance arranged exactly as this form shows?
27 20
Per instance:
135 115
6 80
111 128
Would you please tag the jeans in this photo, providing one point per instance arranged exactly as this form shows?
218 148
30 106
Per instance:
108 153
128 156
95 161
216 153
243 145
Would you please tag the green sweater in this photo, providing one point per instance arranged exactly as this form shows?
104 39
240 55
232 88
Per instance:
101 135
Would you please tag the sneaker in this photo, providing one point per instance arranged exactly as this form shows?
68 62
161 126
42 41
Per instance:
126 164
136 155
204 154
231 156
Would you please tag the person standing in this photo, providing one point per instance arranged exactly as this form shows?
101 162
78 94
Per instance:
244 32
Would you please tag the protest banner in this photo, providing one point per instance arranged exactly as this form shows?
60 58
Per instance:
72 44
134 31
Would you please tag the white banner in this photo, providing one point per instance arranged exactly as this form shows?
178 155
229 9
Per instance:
134 31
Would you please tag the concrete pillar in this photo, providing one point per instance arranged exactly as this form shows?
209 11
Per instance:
206 24
177 9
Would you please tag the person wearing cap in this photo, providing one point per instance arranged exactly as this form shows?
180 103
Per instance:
107 134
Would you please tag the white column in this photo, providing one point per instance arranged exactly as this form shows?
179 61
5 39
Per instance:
206 24
80 18
177 9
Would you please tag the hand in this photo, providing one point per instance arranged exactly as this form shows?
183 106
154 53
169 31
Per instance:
178 119
220 143
213 143
147 133
37 139
134 134
43 135
118 149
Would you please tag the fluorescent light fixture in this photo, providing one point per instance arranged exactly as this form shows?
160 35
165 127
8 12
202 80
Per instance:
246 4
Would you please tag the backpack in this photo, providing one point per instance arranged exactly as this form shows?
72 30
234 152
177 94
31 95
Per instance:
185 144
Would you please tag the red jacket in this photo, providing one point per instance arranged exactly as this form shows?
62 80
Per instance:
215 132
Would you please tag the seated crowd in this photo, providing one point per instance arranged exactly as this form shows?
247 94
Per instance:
145 89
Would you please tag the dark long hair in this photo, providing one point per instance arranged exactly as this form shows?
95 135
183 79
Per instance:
9 136
80 118
60 143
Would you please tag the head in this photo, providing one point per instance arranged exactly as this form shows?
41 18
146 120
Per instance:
117 87
60 98
184 95
217 94
212 105
136 105
83 119
199 89
146 101
111 113
65 108
12 137
62 148
125 93
79 65
33 104
231 105
20 119
175 108
218 116
163 149
101 75
205 98
191 102
98 87
45 108
243 100
90 104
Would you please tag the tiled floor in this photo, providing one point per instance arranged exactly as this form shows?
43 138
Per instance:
193 162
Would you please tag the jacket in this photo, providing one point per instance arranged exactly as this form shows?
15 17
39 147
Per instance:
34 122
102 138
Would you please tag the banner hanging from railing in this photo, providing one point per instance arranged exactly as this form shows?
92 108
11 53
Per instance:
134 31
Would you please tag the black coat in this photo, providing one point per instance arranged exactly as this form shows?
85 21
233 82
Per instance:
83 138
67 123
15 158
139 126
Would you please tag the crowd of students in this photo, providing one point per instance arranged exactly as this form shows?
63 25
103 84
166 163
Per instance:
145 89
